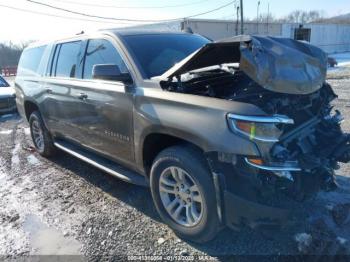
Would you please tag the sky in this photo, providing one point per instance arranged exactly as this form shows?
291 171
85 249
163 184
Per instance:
43 22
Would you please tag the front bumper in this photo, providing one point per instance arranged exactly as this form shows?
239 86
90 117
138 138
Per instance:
240 211
245 200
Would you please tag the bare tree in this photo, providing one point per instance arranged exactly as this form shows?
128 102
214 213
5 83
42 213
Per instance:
10 53
263 17
302 17
315 15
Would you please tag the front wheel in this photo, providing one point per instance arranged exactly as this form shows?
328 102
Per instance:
184 194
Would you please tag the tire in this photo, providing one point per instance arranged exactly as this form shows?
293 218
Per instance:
46 147
174 160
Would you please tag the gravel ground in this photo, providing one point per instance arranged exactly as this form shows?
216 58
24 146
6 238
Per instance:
64 206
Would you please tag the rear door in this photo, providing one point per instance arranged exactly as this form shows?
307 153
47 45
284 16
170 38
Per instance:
105 107
61 107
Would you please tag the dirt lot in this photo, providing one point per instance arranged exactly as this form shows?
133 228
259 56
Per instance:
64 206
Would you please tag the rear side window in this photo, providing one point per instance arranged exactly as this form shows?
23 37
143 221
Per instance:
100 51
65 59
30 61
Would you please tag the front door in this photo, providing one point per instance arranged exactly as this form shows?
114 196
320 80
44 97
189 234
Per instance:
105 107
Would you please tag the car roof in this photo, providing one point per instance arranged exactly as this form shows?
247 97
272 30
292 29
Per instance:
119 32
129 32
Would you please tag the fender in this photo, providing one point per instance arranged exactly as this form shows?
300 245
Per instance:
200 120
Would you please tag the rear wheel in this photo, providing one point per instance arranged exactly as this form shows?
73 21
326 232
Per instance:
183 192
40 135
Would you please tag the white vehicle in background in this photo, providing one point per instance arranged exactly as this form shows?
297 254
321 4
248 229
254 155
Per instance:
7 97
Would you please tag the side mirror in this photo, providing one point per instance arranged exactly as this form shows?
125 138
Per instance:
110 72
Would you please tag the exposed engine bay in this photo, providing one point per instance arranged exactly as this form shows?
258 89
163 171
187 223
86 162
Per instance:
314 142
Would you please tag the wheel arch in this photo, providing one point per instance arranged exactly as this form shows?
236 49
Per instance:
29 108
155 142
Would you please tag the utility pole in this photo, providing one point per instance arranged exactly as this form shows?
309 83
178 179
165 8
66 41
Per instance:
241 6
267 19
257 18
237 8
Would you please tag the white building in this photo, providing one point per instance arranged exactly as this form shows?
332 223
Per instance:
332 38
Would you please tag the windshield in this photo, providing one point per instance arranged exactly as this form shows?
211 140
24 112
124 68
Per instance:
155 54
3 83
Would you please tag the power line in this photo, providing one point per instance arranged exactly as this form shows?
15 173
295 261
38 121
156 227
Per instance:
127 19
131 7
211 11
60 16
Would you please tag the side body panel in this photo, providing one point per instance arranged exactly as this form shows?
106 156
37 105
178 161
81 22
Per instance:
104 118
61 107
199 120
30 87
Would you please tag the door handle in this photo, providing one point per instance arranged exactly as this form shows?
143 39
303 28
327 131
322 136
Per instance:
48 90
82 96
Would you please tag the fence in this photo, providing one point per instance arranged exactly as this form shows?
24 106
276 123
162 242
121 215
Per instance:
9 71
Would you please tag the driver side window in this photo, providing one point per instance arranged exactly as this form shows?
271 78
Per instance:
101 51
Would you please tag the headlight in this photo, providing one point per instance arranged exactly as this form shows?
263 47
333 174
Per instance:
263 128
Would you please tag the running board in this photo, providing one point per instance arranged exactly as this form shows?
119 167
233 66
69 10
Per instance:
102 163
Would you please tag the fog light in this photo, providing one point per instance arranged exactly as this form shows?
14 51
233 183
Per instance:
256 161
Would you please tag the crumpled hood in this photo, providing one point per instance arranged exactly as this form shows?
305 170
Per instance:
278 64
6 91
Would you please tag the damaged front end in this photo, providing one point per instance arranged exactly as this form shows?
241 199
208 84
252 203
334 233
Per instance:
299 139
300 146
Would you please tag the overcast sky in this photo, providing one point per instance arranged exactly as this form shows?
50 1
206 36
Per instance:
18 26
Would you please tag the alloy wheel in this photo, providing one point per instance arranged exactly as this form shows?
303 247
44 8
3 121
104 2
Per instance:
38 136
181 196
